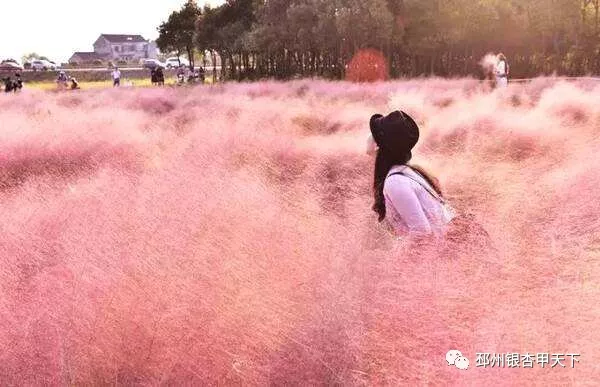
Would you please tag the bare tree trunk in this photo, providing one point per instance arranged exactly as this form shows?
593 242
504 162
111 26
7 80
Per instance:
233 67
432 64
596 5
214 60
190 52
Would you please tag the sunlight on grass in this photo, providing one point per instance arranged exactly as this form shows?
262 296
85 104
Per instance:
51 85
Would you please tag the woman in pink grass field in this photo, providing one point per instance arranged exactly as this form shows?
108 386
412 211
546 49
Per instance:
406 197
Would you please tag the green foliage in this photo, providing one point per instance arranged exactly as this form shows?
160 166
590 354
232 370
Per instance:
32 56
284 38
177 33
364 24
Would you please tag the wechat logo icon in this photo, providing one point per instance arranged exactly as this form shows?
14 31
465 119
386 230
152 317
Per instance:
455 357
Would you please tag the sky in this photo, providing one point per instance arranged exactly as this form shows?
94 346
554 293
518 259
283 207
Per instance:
58 28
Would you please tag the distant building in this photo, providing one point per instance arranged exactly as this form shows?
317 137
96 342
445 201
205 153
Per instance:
88 58
117 48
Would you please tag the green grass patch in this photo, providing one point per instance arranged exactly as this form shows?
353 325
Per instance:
51 85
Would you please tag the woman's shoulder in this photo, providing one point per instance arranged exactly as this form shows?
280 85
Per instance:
406 177
401 172
399 176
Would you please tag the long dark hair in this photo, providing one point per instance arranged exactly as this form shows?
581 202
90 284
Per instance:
383 163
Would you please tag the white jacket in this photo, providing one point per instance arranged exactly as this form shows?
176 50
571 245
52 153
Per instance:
501 69
410 207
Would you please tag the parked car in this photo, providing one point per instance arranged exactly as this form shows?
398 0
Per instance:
173 62
11 60
42 65
152 64
10 64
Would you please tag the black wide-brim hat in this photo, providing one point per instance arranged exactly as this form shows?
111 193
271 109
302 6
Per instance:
397 132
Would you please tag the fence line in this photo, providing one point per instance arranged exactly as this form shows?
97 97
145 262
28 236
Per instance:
523 80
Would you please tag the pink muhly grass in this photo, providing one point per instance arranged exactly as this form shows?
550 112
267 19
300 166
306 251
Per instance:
224 235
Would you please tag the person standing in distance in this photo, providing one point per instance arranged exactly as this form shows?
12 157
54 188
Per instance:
502 71
116 76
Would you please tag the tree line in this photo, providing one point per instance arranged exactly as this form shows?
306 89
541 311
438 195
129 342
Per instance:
296 38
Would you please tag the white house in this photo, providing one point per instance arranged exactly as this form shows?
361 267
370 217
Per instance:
112 47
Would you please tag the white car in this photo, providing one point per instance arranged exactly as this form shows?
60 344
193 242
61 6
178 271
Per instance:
42 65
174 63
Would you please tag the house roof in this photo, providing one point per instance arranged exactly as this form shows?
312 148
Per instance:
123 38
88 56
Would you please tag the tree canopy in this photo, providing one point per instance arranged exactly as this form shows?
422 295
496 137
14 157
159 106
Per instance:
32 56
287 38
177 33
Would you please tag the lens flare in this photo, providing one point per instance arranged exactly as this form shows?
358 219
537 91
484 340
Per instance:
368 65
